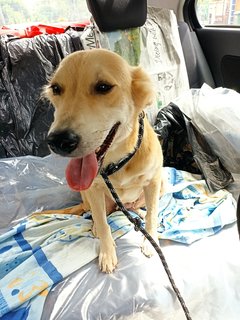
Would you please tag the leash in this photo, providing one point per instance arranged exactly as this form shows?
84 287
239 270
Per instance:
238 215
137 222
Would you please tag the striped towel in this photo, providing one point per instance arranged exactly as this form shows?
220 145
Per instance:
189 211
32 252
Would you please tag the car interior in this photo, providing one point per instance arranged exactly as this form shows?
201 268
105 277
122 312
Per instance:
48 263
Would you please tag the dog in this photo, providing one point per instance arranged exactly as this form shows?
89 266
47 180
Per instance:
98 97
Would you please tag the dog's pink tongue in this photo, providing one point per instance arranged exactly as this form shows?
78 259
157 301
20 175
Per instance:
80 172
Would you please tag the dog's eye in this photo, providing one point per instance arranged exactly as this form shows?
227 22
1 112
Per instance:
103 88
56 89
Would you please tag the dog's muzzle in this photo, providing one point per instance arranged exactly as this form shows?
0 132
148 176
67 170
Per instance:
63 142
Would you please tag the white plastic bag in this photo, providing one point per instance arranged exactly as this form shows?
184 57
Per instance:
216 112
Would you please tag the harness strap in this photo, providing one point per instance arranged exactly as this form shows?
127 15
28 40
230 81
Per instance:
114 167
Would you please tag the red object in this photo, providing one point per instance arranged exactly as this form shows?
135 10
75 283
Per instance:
38 29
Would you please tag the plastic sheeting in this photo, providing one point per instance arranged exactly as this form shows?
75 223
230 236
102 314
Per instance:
206 272
29 184
26 65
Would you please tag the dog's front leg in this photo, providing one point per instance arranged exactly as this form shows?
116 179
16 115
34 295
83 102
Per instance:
107 254
151 192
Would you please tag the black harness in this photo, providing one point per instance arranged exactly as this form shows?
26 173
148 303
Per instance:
114 167
137 222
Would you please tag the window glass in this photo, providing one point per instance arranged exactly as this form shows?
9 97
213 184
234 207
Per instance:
42 11
218 12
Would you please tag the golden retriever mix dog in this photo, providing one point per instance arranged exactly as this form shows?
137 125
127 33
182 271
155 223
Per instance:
97 98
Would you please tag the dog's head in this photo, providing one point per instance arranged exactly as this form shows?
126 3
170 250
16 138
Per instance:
96 96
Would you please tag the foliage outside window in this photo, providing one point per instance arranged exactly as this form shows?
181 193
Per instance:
42 11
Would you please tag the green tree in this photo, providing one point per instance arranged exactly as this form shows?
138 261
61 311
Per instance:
43 11
59 10
13 12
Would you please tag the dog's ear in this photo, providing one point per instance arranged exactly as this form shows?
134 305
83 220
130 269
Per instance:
142 88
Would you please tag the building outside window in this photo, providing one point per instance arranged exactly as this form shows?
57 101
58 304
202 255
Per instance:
219 12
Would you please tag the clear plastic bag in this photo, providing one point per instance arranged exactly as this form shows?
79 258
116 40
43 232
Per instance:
139 288
216 112
29 184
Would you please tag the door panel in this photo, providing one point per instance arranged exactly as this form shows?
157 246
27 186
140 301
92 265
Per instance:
219 39
221 47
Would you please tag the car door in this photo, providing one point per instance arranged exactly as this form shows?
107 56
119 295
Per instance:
217 26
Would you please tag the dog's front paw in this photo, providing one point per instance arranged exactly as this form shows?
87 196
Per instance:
147 248
108 260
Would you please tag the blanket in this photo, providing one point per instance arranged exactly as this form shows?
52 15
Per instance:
33 251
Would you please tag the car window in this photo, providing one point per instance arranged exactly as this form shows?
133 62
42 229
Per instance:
218 12
42 11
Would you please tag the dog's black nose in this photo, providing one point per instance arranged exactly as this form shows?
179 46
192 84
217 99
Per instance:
63 142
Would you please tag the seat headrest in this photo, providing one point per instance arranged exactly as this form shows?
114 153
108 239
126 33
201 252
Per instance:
111 15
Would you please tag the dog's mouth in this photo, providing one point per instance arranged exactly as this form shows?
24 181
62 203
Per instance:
81 172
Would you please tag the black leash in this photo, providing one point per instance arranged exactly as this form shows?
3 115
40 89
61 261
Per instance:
137 222
238 215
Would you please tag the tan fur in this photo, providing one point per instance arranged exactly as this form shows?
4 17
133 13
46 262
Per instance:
91 116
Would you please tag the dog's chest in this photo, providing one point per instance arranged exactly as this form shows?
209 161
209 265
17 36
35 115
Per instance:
129 188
